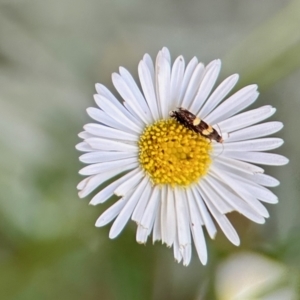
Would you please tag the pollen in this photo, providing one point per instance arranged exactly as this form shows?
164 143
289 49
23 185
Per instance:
172 154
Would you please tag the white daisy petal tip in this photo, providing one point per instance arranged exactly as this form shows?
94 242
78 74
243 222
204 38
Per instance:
97 97
203 261
99 88
82 172
113 235
81 195
141 242
236 242
119 194
115 76
275 159
89 109
98 224
214 235
218 62
81 184
80 135
235 77
284 161
150 189
168 245
261 221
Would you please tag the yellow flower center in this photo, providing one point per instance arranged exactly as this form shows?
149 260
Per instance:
173 154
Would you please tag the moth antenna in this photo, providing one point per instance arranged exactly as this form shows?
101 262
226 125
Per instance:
221 142
219 129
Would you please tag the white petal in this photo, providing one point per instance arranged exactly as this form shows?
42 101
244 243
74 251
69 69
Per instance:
163 76
222 206
196 227
93 182
150 211
108 191
240 191
221 219
209 79
255 189
258 178
168 218
163 213
218 95
85 135
133 112
251 145
105 93
139 98
128 95
209 224
233 104
83 183
118 115
110 213
236 202
193 86
102 117
84 147
156 235
176 250
263 179
182 217
264 194
139 210
247 118
253 202
119 165
107 132
176 81
271 159
148 89
187 77
166 53
183 228
103 156
148 61
255 131
111 145
187 254
130 184
125 213
142 234
242 166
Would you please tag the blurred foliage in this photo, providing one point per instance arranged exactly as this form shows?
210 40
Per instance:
51 54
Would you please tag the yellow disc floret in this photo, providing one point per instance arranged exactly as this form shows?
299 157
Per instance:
173 154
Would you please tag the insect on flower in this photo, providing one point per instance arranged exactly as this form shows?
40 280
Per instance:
189 120
167 169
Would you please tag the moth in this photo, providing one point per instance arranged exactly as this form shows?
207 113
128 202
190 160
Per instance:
190 121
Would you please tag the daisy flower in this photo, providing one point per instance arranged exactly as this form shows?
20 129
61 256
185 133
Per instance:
179 154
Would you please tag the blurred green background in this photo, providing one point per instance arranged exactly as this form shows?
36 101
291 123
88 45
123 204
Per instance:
52 52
